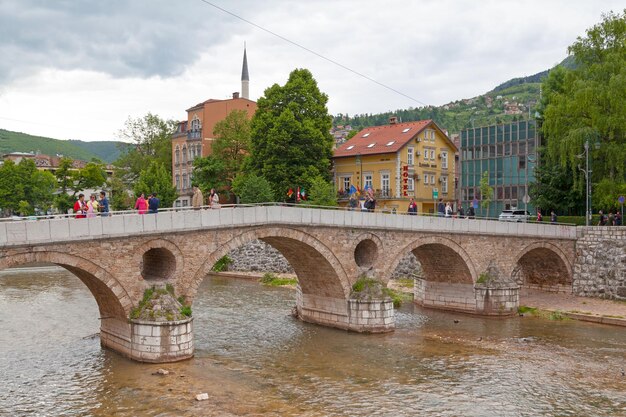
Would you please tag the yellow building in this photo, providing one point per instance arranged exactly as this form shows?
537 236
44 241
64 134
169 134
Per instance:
398 162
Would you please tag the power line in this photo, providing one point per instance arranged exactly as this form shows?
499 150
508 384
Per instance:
313 52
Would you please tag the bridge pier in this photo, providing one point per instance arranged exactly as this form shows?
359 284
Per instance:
148 341
467 298
371 316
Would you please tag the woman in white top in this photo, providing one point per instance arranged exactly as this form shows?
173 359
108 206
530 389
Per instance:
214 199
448 210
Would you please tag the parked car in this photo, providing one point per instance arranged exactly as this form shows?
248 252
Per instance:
514 216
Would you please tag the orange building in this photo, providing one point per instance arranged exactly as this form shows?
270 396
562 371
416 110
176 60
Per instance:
194 137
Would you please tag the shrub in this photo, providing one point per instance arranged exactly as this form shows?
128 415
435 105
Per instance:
274 281
222 264
185 311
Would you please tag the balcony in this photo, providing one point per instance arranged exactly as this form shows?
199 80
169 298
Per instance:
194 134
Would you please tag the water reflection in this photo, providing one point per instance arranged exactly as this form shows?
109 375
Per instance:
253 358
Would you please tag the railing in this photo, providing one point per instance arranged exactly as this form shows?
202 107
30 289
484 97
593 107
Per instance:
304 205
194 134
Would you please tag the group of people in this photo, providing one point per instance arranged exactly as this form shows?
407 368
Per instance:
445 210
149 205
612 219
553 216
85 209
197 199
368 203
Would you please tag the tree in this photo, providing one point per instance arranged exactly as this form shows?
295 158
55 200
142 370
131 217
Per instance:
554 189
23 188
588 104
92 176
156 179
232 142
322 193
486 192
211 172
252 189
291 142
151 137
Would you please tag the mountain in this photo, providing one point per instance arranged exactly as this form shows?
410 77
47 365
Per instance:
512 100
107 151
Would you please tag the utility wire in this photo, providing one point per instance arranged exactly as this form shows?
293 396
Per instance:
313 52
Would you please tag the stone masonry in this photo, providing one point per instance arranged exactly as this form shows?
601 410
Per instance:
600 267
118 257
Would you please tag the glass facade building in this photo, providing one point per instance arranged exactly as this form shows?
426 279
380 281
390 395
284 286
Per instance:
507 152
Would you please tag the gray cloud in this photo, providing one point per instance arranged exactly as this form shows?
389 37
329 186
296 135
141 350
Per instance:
122 38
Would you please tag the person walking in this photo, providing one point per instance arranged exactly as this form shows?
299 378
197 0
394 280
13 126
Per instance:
214 199
141 205
412 208
197 200
470 212
353 202
153 204
80 207
448 209
539 217
602 221
461 212
441 208
553 217
104 204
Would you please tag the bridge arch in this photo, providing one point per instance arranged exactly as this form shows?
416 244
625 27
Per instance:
442 260
159 260
318 270
542 264
112 299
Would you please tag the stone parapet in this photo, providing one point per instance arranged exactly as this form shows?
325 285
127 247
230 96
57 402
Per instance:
497 301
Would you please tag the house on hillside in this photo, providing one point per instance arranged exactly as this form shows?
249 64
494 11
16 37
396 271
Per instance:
398 161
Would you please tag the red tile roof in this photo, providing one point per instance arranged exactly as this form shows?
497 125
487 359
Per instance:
380 136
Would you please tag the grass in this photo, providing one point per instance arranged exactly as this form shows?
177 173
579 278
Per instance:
526 309
405 282
364 283
272 280
398 297
155 293
222 264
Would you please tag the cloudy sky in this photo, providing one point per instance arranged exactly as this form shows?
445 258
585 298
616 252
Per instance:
77 69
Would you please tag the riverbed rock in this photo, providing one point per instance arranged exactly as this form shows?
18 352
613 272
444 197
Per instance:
202 397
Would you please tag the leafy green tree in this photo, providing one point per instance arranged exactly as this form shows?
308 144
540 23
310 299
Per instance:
151 137
291 142
119 195
232 142
211 172
322 193
24 208
486 192
92 176
11 187
554 189
156 179
589 105
252 189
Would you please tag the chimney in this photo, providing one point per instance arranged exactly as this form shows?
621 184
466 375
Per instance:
236 94
393 120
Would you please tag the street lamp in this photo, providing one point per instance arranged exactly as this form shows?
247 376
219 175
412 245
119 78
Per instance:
587 171
360 162
529 158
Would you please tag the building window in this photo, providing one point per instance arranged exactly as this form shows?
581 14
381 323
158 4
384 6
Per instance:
184 154
346 183
426 155
432 154
384 183
522 162
177 156
411 184
444 160
178 182
184 181
367 178
195 124
444 185
409 156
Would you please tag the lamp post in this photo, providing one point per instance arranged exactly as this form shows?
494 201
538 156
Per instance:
587 171
360 162
529 158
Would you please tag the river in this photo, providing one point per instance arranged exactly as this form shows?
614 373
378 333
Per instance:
253 358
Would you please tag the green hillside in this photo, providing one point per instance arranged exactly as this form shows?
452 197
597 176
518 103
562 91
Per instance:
106 151
512 100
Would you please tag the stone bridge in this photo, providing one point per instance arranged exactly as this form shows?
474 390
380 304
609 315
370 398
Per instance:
468 265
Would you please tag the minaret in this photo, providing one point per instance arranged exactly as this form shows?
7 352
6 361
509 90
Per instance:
245 78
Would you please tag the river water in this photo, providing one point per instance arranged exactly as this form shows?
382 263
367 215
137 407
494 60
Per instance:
253 358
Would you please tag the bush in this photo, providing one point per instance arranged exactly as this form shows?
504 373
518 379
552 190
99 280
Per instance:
252 189
222 264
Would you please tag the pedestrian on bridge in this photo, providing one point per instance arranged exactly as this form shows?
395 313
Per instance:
141 205
197 200
153 204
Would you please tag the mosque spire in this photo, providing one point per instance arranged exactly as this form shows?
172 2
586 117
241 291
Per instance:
245 77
